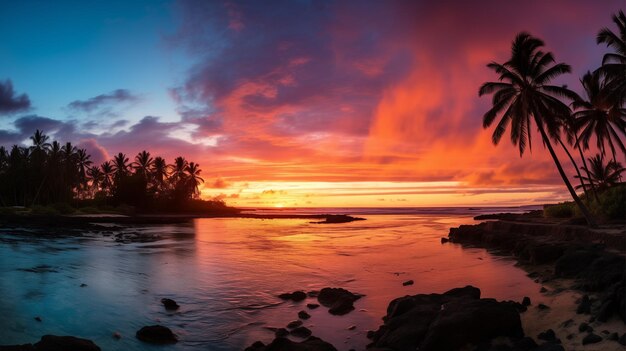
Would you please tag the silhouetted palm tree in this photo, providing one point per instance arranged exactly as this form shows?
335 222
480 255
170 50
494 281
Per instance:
159 173
614 64
604 175
108 172
143 163
40 141
96 176
120 165
193 178
523 95
178 169
599 115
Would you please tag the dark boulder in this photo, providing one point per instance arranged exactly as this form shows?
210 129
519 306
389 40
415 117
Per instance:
56 343
573 262
301 332
303 315
294 296
281 333
428 322
549 336
526 301
591 338
156 334
312 306
294 324
407 283
284 344
339 301
169 304
584 306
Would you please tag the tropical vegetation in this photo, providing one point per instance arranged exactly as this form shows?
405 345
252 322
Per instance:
524 98
49 173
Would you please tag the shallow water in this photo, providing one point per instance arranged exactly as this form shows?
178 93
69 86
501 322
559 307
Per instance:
226 273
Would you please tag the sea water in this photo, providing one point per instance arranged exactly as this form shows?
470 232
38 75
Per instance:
226 275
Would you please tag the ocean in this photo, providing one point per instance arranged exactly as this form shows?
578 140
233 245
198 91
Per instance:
226 275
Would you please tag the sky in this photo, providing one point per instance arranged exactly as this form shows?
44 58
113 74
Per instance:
294 103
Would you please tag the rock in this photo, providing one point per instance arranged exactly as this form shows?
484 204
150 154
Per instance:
591 338
156 334
313 293
584 306
526 301
583 327
525 343
56 343
294 324
284 344
294 296
281 333
408 282
169 304
543 307
339 301
444 240
312 306
83 285
622 339
427 322
573 262
117 336
567 323
543 289
301 332
549 336
352 327
38 319
613 337
303 315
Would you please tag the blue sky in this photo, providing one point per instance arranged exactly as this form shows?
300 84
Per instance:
61 51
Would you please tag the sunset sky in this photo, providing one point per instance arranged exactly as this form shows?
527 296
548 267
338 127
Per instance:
293 103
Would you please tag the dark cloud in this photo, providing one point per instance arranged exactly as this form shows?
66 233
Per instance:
104 100
10 102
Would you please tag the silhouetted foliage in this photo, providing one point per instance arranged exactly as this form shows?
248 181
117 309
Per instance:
47 173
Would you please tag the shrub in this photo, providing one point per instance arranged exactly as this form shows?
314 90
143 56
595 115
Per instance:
560 210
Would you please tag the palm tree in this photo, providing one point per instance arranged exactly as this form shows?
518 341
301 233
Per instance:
159 173
83 162
120 165
193 178
523 94
599 115
143 163
40 141
108 172
96 176
614 64
604 175
178 169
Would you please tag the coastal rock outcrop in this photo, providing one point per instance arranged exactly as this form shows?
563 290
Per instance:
55 343
170 304
294 296
427 321
284 344
339 301
156 334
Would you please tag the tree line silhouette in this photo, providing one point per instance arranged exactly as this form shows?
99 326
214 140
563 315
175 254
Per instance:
48 173
524 95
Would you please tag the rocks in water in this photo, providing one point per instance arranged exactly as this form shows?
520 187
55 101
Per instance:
294 296
117 336
38 319
170 304
444 240
583 327
156 334
591 338
339 301
284 344
526 301
549 336
584 306
567 323
301 332
294 324
312 306
543 307
56 343
281 333
331 219
428 322
407 283
543 289
83 285
303 315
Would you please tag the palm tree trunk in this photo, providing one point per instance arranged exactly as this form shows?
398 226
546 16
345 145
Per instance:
580 177
590 220
593 189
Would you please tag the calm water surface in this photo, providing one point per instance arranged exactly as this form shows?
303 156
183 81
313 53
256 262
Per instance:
226 273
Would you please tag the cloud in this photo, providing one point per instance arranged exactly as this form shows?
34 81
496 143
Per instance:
104 101
10 102
98 153
220 183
